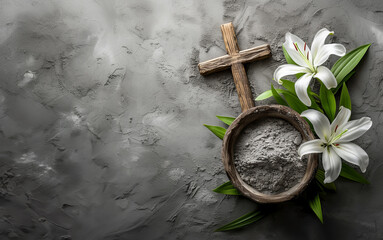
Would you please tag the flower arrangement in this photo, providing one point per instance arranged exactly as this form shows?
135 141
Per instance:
333 128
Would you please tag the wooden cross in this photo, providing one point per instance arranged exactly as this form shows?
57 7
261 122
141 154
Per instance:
235 59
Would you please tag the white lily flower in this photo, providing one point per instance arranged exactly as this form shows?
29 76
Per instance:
309 61
335 141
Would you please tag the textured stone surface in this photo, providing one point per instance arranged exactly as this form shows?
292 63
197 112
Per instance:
102 106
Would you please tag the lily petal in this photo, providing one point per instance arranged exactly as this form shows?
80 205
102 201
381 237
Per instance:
319 40
293 51
326 50
288 69
340 120
320 123
355 129
301 88
354 154
326 76
332 165
313 146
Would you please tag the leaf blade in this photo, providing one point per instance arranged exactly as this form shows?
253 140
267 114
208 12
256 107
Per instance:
351 174
227 188
294 102
289 85
315 205
218 131
345 99
348 62
314 104
328 102
345 79
226 120
267 94
277 97
242 221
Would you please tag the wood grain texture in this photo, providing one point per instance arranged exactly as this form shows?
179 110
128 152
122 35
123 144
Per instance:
238 70
225 62
234 130
243 87
229 38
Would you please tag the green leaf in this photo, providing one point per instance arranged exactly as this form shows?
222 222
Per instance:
351 174
227 120
328 102
345 97
218 131
294 102
348 62
314 104
227 188
345 79
313 94
316 207
319 176
242 221
277 97
289 85
289 60
268 93
299 75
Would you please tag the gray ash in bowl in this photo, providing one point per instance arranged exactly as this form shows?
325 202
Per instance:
266 155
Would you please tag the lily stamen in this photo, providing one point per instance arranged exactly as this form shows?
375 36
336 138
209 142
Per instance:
296 48
338 136
306 59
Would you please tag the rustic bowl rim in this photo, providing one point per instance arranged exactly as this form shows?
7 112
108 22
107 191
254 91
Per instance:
253 114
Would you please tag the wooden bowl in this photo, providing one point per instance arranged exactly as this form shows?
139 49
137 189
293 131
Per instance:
253 114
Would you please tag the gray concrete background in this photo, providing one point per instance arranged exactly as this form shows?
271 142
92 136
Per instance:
103 138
